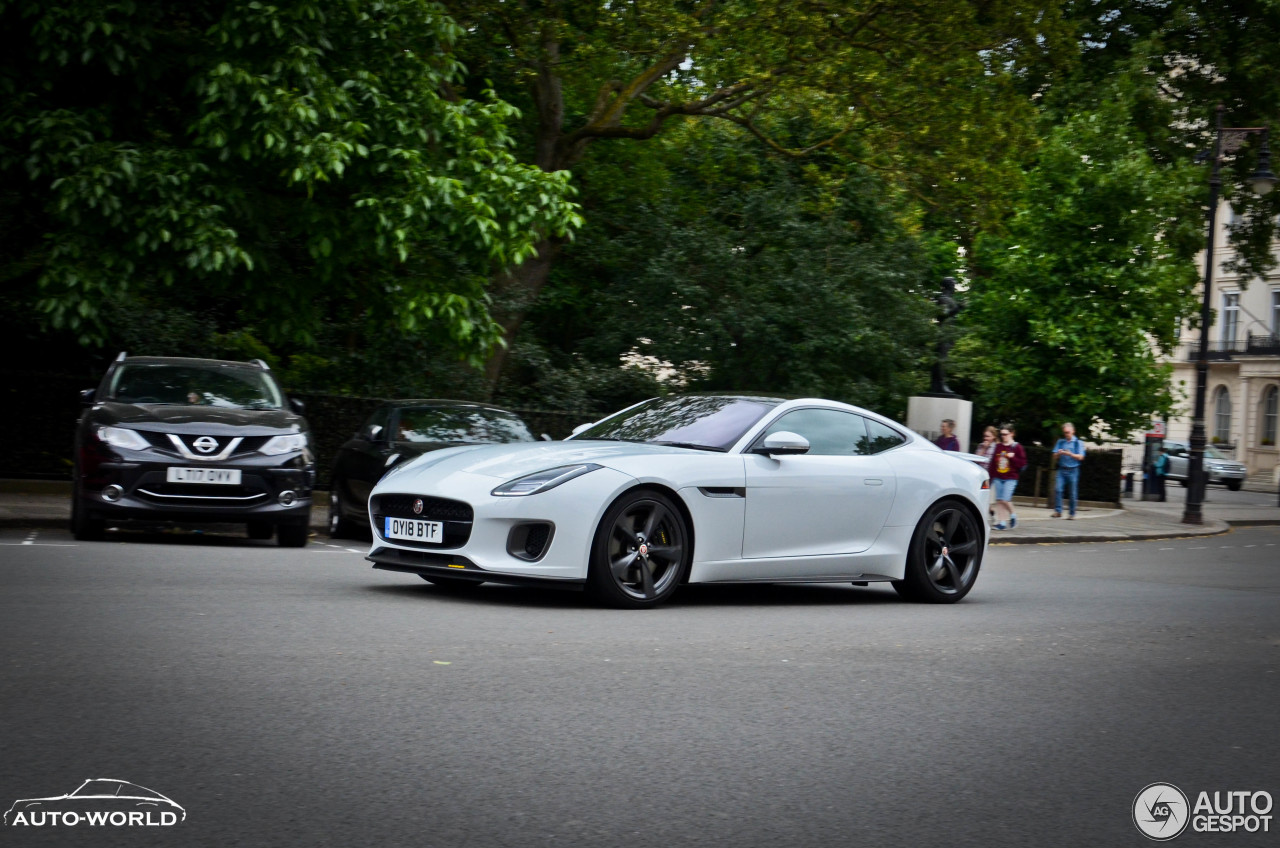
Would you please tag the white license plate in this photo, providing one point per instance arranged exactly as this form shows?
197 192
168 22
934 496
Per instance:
413 530
217 476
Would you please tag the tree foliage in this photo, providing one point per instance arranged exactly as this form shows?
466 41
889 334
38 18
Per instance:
1093 269
300 158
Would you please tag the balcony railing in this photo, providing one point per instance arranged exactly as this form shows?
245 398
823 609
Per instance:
1252 345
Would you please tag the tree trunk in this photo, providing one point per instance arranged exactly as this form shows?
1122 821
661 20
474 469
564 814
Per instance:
516 290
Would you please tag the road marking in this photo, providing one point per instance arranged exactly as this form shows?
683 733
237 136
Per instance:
1205 548
31 537
1251 546
1166 549
355 550
1124 550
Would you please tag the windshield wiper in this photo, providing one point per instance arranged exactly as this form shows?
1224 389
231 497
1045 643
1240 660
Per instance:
690 445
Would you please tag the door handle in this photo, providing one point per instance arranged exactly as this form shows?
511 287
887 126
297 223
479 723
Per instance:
873 481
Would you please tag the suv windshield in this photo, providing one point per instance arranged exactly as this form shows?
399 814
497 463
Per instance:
468 426
697 421
194 385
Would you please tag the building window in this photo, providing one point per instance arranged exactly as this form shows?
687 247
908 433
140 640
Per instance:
1230 317
1275 313
1222 415
1270 402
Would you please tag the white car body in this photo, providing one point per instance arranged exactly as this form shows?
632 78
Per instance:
754 518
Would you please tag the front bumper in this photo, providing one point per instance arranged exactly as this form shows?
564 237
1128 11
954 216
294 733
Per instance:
573 510
271 489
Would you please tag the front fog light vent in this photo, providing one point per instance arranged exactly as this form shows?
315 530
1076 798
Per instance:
287 497
112 493
529 541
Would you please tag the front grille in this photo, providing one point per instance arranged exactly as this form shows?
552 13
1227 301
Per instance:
455 515
154 488
162 441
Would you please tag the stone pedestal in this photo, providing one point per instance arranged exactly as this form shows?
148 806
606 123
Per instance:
925 414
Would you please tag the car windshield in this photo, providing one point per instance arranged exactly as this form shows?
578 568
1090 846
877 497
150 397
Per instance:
95 788
224 386
435 424
708 422
1213 453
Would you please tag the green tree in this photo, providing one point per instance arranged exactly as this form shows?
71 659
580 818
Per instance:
927 89
297 159
1094 267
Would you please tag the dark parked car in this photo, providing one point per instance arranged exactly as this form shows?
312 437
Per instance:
400 430
192 440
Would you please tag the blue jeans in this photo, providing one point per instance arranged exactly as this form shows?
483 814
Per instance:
1066 477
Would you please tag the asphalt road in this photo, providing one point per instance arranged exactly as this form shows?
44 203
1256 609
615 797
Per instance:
297 697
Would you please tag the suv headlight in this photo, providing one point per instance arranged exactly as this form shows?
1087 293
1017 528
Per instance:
533 484
122 437
284 444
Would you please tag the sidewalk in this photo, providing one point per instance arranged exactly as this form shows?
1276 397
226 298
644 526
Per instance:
27 503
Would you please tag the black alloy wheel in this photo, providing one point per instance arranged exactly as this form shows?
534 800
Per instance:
641 552
84 528
340 527
292 535
945 555
261 529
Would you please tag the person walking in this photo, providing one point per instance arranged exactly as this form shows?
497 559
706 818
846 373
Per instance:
948 441
1159 472
986 449
1006 464
1069 451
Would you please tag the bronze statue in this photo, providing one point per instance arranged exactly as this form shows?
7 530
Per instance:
948 307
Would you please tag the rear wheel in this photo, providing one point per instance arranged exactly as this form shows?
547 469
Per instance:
340 527
641 552
84 528
261 530
292 535
945 554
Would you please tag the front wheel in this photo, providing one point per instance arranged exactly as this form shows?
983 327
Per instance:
292 535
945 554
1234 485
340 527
641 553
84 528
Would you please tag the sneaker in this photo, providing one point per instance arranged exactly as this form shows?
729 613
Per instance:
1013 521
1056 515
1000 526
1071 518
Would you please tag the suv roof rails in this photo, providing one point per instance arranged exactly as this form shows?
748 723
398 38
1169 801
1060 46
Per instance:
121 356
258 362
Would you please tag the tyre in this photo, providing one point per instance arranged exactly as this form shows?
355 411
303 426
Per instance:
84 528
1234 485
452 583
261 530
945 555
340 527
292 535
641 552
1184 483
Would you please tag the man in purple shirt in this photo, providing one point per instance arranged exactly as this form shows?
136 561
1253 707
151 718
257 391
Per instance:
948 441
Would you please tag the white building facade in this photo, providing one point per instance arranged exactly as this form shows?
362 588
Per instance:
1241 404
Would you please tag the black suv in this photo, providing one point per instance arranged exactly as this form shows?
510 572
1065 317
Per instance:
192 440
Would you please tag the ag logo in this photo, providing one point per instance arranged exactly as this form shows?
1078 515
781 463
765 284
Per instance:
417 507
1161 811
205 444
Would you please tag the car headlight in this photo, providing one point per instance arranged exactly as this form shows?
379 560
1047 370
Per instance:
122 437
533 484
284 444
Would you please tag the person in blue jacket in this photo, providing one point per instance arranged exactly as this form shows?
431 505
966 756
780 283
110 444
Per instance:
1069 452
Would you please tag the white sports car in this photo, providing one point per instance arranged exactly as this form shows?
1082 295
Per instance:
692 489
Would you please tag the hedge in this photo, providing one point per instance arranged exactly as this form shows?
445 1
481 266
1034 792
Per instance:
1099 474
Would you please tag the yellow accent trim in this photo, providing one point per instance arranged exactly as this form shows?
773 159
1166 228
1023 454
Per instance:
451 565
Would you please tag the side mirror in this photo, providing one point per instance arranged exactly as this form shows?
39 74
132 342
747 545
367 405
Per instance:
86 397
297 405
580 428
547 438
783 443
373 432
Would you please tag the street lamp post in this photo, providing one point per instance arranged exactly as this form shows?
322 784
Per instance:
1227 140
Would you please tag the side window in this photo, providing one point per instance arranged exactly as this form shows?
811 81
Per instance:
880 438
830 432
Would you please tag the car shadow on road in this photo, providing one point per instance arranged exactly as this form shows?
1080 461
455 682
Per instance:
697 595
225 536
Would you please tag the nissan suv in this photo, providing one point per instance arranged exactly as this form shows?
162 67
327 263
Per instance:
192 440
1218 468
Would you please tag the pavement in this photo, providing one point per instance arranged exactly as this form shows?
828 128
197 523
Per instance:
298 697
25 503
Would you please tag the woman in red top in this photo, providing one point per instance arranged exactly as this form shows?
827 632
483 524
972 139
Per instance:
1006 464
